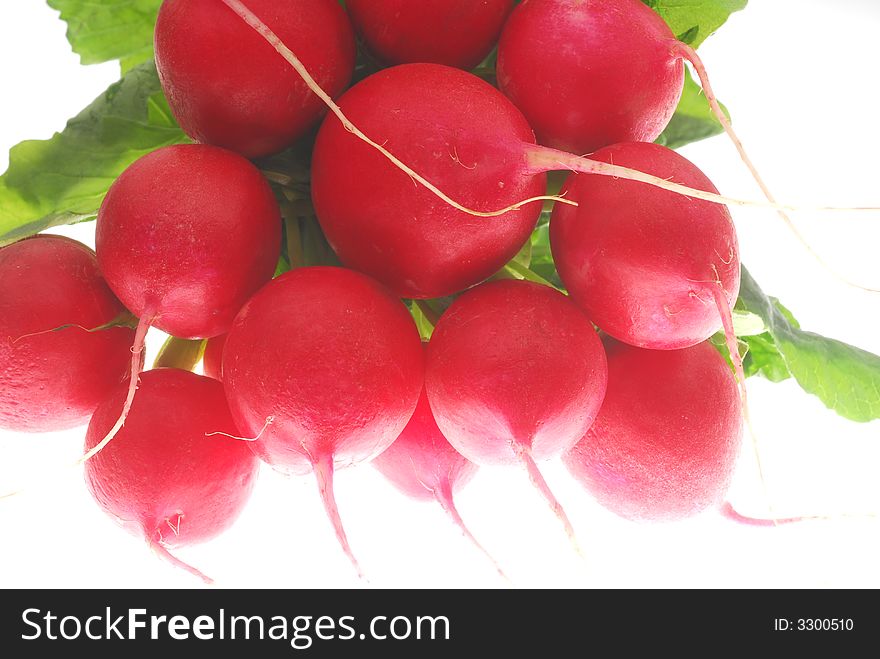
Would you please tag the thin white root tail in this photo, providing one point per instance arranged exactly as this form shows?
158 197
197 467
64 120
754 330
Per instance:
269 421
162 552
443 496
323 468
524 454
690 55
723 306
539 158
136 364
729 512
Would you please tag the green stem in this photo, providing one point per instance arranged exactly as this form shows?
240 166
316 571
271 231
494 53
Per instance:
180 353
527 274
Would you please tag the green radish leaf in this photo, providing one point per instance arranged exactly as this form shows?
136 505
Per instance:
110 29
692 21
693 119
63 180
764 359
845 378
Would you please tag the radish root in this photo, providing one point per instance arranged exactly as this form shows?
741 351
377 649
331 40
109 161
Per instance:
136 365
323 468
162 552
443 496
729 512
690 55
524 454
723 306
269 421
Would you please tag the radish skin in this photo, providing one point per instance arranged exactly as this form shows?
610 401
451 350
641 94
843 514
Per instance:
57 361
515 373
645 264
457 33
166 480
184 237
335 361
227 87
665 442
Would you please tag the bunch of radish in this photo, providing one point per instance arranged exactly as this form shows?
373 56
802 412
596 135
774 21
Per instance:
323 367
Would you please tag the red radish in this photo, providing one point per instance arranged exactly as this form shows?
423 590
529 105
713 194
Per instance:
515 373
521 160
212 359
416 241
423 465
227 87
173 478
379 222
588 74
649 267
56 365
665 442
453 32
186 235
323 367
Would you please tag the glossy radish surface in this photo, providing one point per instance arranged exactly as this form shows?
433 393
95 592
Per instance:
381 223
590 73
666 439
186 235
54 371
323 367
167 478
457 33
227 86
648 266
515 373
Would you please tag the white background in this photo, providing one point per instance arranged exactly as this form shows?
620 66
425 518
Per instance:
800 78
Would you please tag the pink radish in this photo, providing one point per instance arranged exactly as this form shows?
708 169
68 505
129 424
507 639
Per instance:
649 267
453 32
57 363
212 359
515 373
323 368
423 465
227 87
666 439
173 478
415 239
402 234
184 237
434 128
588 74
